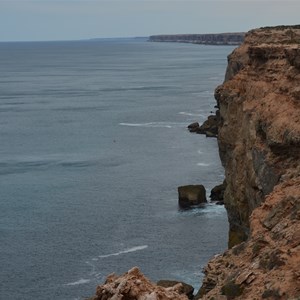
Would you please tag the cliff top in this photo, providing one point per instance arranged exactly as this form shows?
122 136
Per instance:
274 35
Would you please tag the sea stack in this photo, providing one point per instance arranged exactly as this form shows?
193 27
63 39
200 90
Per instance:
191 195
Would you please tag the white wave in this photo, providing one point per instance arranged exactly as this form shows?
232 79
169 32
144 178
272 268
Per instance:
200 152
203 164
135 124
80 281
133 249
191 114
154 124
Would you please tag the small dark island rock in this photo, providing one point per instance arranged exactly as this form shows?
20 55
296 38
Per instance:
217 193
191 195
194 127
209 127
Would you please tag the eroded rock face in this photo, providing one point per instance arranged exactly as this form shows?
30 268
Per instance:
133 285
259 129
259 145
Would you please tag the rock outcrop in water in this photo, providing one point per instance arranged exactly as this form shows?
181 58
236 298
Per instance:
259 145
235 38
209 126
191 195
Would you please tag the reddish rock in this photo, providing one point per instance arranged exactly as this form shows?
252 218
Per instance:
259 144
133 285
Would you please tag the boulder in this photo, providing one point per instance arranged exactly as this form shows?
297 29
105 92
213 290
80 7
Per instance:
210 126
190 195
133 285
186 288
193 127
217 193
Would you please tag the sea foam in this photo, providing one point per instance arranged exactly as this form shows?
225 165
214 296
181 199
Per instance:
80 281
203 164
155 124
133 249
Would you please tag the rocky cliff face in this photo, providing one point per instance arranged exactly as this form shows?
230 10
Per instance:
259 144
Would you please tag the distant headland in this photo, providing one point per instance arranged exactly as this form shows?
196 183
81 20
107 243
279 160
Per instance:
234 38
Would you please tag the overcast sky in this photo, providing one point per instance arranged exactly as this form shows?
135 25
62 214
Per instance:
22 20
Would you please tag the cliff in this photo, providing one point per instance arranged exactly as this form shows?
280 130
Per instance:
235 38
259 145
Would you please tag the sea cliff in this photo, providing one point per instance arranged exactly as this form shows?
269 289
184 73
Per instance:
259 146
235 38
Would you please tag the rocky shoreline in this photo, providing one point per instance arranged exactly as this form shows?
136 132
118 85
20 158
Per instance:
258 134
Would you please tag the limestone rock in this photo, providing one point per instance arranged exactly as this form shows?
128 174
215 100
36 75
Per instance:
217 193
190 195
259 146
186 288
193 127
133 285
209 126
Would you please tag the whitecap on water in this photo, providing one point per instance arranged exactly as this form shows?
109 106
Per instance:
80 281
192 114
129 250
203 164
155 124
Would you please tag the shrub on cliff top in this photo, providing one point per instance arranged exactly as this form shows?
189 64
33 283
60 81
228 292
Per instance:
231 290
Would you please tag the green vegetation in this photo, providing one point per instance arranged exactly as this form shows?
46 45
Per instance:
232 290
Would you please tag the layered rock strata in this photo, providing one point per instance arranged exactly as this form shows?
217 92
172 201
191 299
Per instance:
259 145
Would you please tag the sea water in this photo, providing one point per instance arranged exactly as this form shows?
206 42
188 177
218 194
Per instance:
93 147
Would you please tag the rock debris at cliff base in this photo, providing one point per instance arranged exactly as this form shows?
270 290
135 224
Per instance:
133 285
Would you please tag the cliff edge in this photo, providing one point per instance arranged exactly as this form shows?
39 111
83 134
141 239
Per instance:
259 146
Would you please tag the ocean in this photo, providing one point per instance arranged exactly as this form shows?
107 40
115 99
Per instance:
93 147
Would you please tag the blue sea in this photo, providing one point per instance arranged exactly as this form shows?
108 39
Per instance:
93 147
